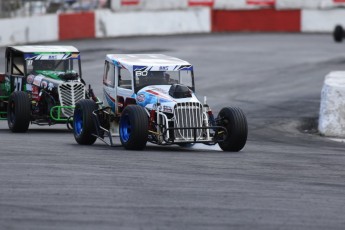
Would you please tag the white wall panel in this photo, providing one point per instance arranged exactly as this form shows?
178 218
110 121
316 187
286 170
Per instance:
109 24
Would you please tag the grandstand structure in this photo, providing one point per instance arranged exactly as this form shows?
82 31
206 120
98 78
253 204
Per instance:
26 8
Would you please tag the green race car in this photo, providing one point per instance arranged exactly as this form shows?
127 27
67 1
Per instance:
41 85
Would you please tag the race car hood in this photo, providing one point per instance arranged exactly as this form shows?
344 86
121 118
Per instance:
149 96
59 75
47 79
43 81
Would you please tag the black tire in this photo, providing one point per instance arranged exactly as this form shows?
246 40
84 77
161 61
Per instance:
338 33
83 125
19 112
133 127
235 122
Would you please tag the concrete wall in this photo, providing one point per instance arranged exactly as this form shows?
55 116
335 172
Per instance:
28 30
109 24
158 17
322 20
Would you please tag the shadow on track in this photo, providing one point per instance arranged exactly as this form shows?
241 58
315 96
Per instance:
199 148
33 131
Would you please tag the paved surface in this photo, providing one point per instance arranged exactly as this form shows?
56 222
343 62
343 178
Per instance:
287 177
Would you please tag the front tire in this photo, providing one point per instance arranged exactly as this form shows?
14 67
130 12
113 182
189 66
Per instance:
338 34
235 123
134 127
83 125
19 112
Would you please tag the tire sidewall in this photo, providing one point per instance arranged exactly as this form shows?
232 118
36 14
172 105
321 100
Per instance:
19 112
138 121
10 113
83 125
235 123
338 33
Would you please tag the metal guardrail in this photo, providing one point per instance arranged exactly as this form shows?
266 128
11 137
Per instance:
27 8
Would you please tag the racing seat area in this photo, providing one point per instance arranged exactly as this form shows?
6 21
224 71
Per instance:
153 78
157 78
42 65
126 84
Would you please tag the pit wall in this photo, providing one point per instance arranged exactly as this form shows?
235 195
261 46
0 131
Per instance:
161 17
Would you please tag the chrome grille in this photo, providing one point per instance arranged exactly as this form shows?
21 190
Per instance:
187 115
69 94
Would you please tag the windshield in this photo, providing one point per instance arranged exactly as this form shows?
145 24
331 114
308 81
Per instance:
146 78
52 66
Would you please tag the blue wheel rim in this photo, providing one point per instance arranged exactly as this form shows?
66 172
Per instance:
125 128
78 122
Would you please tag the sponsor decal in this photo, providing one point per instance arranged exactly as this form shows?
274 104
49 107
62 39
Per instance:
141 73
30 79
140 68
164 68
50 86
141 97
44 84
52 57
37 80
183 67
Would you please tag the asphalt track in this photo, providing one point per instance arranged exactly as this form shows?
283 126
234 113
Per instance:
287 176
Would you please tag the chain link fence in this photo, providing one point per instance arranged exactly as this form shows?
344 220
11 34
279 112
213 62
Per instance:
26 8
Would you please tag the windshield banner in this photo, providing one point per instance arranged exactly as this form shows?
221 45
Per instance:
163 68
52 56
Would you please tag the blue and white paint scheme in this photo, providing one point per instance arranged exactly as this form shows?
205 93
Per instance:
149 96
148 62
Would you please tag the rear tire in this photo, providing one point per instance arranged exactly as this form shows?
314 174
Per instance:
338 34
19 112
235 123
83 125
133 127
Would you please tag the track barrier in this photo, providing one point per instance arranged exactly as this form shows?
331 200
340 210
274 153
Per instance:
332 107
159 17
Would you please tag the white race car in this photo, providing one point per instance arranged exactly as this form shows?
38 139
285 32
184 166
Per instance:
150 98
